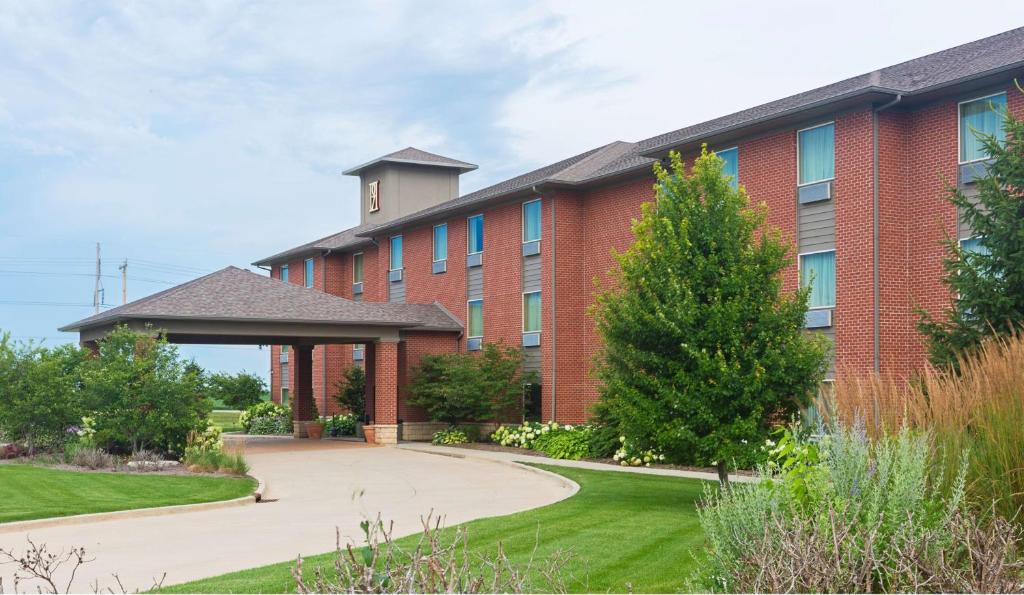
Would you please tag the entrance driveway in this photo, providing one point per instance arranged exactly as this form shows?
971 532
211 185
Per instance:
314 487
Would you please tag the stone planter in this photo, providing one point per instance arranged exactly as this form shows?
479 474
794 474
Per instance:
371 434
315 430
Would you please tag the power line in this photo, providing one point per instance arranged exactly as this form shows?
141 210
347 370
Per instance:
90 275
42 303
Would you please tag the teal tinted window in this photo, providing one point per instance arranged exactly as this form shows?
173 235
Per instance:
531 312
284 273
441 242
476 318
817 149
308 273
396 253
357 268
531 221
819 272
476 234
731 157
978 118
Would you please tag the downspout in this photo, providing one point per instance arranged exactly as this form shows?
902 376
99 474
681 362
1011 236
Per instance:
876 330
323 283
554 314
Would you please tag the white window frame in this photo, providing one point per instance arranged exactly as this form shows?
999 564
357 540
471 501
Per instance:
799 278
522 304
522 214
481 250
468 318
433 241
959 122
308 270
798 184
391 250
360 254
737 149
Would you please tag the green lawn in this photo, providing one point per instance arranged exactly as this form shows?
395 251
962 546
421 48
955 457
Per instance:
226 420
623 528
28 492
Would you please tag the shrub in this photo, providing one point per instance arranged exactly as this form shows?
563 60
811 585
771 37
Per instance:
237 391
450 436
455 387
40 398
849 515
205 452
91 458
522 436
977 414
141 395
630 455
266 418
350 391
604 441
573 444
340 425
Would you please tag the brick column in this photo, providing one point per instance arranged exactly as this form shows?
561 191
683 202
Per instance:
385 402
302 403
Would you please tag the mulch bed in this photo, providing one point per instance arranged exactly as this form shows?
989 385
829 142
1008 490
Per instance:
610 462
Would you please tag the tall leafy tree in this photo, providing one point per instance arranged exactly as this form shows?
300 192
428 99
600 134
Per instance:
702 349
986 281
237 391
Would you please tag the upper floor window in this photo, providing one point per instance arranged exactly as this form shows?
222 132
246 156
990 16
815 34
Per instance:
980 117
818 271
531 221
357 267
440 242
475 242
974 246
476 319
531 312
284 273
308 277
731 167
816 154
396 253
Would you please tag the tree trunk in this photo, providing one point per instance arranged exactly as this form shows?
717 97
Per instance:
723 476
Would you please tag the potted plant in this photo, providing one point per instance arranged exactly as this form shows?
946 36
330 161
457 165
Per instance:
370 432
315 427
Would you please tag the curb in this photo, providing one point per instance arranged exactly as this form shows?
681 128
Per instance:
134 513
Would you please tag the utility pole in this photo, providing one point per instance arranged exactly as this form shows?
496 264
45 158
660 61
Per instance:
124 282
99 283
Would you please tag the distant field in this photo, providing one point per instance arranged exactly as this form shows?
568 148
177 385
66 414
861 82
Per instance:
226 420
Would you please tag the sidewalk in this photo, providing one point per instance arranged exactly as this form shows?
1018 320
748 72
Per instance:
514 457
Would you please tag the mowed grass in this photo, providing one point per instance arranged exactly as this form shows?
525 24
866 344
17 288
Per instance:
28 492
226 420
624 530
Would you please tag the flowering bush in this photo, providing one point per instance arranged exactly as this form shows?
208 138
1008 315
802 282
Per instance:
205 442
204 451
87 432
630 455
450 436
340 425
266 418
523 436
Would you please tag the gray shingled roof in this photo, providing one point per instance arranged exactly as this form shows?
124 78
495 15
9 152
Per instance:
568 171
972 60
414 156
343 240
238 295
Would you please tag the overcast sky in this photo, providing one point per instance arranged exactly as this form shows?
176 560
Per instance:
189 136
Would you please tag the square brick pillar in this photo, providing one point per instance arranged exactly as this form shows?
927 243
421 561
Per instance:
302 402
385 398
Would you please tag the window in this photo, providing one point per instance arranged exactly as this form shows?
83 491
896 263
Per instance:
308 278
731 157
476 319
818 270
531 221
284 396
974 246
441 242
396 253
983 116
358 352
475 242
816 154
531 402
284 273
531 312
357 267
284 349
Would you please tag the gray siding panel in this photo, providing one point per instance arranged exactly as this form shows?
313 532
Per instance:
817 226
475 283
531 273
531 359
963 229
396 292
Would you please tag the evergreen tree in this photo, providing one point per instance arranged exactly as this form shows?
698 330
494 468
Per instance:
987 281
702 350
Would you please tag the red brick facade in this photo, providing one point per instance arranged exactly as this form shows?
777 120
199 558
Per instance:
917 156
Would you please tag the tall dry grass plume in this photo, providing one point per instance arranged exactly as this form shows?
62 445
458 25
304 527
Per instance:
978 414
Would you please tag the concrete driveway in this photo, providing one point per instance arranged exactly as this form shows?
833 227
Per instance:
314 487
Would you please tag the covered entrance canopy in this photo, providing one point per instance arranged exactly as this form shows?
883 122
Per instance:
234 306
